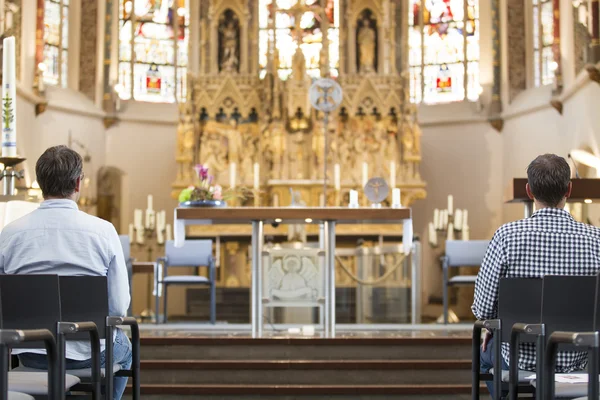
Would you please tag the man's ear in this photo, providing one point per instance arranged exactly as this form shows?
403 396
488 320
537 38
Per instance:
78 185
528 189
568 194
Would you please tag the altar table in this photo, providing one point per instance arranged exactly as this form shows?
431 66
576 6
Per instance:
258 216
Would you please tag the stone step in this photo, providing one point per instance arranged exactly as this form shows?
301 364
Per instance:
314 392
232 348
306 372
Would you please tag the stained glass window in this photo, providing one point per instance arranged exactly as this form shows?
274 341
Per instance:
543 38
56 41
285 23
153 49
443 53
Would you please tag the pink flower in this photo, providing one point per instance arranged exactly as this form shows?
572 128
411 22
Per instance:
201 171
218 193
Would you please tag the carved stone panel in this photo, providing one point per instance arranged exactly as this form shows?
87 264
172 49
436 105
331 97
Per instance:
88 53
517 68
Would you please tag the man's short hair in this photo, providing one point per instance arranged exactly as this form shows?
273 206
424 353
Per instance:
57 171
548 177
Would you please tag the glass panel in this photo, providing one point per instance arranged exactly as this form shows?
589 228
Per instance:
414 46
51 75
65 28
444 43
548 66
536 27
444 83
52 23
181 84
125 80
547 24
154 83
443 11
473 40
536 68
415 84
333 36
473 80
64 71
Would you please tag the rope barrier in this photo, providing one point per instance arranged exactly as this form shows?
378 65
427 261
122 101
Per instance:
372 282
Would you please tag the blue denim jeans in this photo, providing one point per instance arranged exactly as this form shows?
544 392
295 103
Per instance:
121 356
486 362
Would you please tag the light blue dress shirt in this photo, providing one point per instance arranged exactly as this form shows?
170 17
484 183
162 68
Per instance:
59 239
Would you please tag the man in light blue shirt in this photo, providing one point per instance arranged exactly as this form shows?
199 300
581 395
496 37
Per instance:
59 239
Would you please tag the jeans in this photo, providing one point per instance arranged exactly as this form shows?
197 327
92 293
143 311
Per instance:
486 362
121 355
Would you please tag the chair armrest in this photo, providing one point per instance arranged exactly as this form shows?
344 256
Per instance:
517 330
135 351
69 328
161 260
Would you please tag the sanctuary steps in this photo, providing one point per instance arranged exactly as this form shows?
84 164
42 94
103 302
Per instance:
347 367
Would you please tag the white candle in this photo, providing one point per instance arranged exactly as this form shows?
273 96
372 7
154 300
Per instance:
137 218
131 233
450 204
160 238
169 233
232 175
353 198
458 219
365 173
150 201
465 218
450 232
396 198
256 176
336 177
436 218
150 219
9 99
445 225
432 234
392 174
465 232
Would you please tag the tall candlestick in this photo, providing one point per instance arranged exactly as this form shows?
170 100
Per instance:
465 218
365 173
450 204
458 219
232 175
131 233
432 234
9 99
450 232
353 199
256 176
436 219
396 198
465 233
150 201
137 218
392 174
336 177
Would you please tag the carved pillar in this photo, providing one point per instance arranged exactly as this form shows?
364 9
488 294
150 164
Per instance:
351 45
558 84
516 35
324 56
203 38
496 104
401 36
88 44
594 56
386 38
39 42
244 44
213 59
107 90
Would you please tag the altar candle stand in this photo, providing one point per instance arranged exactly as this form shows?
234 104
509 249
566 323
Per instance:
453 224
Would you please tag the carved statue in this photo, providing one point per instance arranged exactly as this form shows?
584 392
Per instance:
229 43
366 46
186 141
411 146
213 148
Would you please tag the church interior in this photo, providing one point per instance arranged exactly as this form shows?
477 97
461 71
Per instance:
413 120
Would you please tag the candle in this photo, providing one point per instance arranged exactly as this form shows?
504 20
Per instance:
465 232
131 233
436 219
450 232
150 201
465 218
256 176
450 204
160 238
9 99
232 175
169 233
396 198
353 198
365 173
336 177
445 220
432 234
150 219
458 219
392 174
137 218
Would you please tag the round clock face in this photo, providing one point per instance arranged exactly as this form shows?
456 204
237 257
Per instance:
376 190
325 95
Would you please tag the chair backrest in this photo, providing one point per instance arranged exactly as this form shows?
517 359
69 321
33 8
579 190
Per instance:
519 300
568 303
466 253
193 253
597 305
29 302
125 243
84 298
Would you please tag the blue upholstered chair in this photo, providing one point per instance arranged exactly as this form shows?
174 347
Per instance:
194 253
125 243
461 253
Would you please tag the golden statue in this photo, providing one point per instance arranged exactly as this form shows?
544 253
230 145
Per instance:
366 46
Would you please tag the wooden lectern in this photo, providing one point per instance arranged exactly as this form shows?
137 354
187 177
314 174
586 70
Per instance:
583 189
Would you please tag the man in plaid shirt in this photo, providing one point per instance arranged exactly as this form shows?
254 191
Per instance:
550 242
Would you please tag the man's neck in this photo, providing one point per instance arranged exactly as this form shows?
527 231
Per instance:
540 206
72 198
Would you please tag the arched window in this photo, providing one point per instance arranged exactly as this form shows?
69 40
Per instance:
543 39
443 50
56 41
153 50
309 28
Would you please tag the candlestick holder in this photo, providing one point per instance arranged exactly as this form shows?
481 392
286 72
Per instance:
150 241
9 175
448 226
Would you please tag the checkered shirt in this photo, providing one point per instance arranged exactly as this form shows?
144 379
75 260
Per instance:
550 242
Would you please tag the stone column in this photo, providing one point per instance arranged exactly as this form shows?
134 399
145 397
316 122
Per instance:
516 36
244 44
496 105
594 55
558 83
87 55
107 55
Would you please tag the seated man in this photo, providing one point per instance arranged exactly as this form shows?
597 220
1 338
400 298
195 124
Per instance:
57 238
550 242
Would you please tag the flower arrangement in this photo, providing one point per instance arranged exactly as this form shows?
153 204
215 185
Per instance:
206 191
